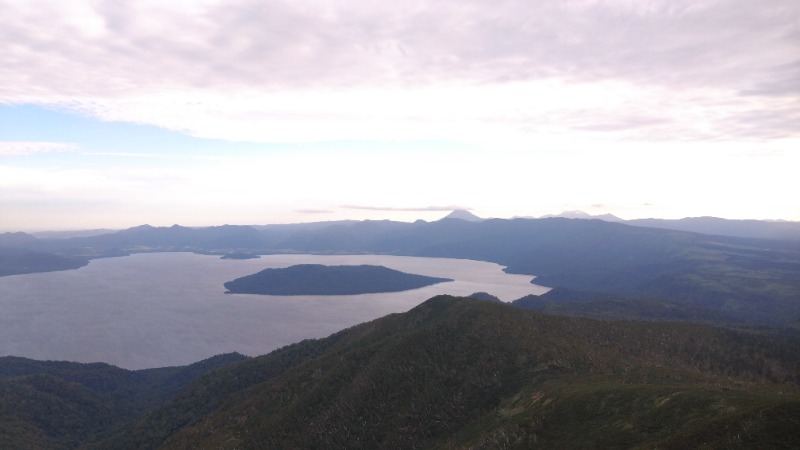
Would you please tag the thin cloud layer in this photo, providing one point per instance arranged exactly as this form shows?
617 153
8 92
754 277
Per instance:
305 71
409 209
313 211
19 148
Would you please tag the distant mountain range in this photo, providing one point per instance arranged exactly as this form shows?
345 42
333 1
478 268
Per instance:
757 229
577 214
66 234
746 279
452 373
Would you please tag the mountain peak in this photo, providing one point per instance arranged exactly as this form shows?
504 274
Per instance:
463 214
578 214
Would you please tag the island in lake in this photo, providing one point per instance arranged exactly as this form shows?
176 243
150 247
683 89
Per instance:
240 255
317 279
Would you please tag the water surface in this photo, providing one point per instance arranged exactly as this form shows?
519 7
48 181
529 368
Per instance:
164 309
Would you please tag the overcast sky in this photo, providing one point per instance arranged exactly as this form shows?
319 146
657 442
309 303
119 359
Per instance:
117 113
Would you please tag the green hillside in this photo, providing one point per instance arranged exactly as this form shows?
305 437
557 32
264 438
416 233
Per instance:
62 405
464 373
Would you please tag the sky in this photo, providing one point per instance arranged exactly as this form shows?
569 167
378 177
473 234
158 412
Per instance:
119 113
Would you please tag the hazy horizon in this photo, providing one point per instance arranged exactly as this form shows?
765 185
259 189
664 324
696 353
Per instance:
441 216
198 113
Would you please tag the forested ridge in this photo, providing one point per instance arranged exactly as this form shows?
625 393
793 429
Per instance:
63 405
462 373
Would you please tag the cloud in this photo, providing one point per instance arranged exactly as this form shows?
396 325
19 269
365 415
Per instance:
304 71
356 44
284 44
313 211
391 208
28 148
153 156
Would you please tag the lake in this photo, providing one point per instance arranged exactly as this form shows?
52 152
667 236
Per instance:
166 309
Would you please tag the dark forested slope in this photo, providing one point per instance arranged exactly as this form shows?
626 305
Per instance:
61 405
463 373
15 261
758 229
316 279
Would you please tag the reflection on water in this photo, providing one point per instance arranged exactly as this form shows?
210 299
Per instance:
163 309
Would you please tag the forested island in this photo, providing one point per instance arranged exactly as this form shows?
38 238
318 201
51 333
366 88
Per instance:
240 255
317 279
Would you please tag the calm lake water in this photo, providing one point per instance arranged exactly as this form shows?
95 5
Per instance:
166 309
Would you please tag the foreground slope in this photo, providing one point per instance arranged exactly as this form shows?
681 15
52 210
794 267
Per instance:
464 373
61 405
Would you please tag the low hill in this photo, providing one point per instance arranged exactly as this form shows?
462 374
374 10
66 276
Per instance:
758 229
463 373
61 405
750 229
600 305
316 279
14 261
